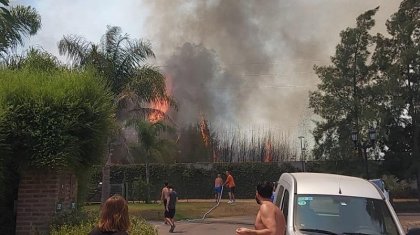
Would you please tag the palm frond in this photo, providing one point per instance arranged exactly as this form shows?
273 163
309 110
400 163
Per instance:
5 2
149 84
144 112
126 98
76 48
27 20
19 22
140 50
110 39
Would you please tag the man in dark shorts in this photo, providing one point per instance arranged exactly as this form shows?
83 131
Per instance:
170 208
164 197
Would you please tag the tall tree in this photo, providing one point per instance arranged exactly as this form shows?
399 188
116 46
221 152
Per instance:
397 59
120 60
15 23
151 141
343 99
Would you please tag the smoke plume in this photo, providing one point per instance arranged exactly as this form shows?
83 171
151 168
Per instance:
249 63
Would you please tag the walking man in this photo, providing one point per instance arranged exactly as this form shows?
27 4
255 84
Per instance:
170 208
270 220
164 197
218 182
230 183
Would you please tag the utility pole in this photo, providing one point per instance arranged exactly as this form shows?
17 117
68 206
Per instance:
302 152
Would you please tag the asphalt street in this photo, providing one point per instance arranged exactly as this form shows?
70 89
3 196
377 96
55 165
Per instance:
222 226
227 226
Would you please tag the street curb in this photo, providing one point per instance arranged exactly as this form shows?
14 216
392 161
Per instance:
217 221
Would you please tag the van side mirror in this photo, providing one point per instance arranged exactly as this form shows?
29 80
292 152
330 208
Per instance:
413 231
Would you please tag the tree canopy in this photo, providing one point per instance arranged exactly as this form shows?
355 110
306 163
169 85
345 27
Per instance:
16 23
344 98
121 61
373 81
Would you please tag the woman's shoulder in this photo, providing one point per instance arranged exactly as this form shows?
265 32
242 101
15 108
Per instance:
95 231
120 233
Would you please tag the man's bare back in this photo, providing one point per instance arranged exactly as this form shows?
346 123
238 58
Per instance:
273 218
165 193
218 182
270 220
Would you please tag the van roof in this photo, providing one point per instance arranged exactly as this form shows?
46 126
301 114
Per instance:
330 184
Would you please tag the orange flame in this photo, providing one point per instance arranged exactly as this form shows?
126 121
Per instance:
268 156
160 107
205 132
159 110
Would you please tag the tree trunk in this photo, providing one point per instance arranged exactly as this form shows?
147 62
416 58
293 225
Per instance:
147 178
416 155
106 186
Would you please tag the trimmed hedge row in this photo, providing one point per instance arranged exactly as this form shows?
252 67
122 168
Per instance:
196 180
193 180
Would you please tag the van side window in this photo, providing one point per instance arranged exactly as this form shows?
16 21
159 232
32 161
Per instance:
285 204
279 195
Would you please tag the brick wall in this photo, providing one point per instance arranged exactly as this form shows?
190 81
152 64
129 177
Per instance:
40 195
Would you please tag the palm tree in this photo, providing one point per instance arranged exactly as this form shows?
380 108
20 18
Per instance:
16 23
153 146
121 62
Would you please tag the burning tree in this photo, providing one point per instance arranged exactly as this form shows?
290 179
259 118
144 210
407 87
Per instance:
204 143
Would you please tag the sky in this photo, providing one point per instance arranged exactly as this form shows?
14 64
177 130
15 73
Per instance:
241 64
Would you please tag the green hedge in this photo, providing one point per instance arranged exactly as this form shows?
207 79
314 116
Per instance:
137 227
58 119
195 180
192 180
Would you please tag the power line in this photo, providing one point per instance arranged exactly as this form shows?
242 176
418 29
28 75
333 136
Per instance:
266 63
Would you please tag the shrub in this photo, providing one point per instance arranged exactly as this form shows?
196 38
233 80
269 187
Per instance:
73 218
138 227
398 188
58 119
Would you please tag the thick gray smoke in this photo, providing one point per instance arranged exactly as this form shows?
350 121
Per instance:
249 63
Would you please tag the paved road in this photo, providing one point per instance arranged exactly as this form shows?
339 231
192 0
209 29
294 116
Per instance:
409 220
227 226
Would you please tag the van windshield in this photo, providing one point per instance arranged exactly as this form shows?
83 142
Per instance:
330 214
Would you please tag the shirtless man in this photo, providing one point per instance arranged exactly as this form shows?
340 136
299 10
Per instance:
218 182
270 220
164 195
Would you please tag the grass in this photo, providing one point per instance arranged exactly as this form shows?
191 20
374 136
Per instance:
195 209
189 210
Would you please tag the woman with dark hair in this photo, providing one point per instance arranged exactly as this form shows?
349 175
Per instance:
114 217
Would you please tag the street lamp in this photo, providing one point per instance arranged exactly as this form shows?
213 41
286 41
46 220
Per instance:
364 145
302 151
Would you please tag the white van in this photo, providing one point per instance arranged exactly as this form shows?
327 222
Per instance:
315 203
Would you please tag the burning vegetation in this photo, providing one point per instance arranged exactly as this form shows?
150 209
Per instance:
158 111
201 143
